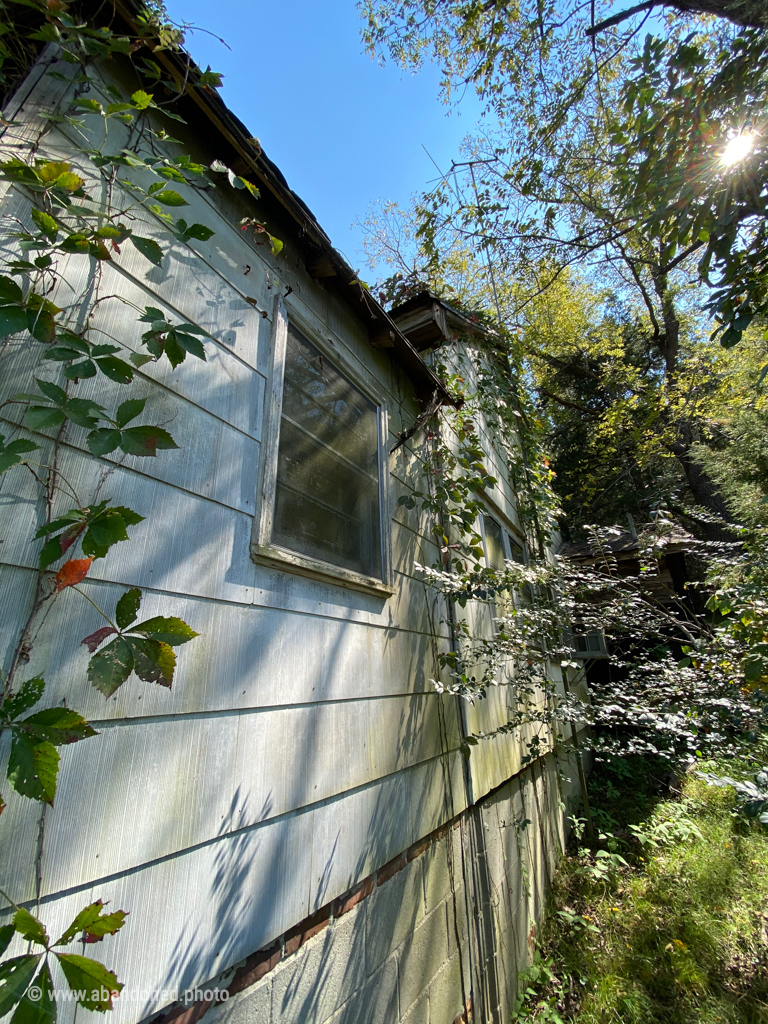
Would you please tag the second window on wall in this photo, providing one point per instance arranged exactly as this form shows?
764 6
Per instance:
500 547
327 484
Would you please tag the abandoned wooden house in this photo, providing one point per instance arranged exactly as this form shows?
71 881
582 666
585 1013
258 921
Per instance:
292 826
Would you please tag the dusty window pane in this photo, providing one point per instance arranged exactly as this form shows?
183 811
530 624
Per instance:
518 555
494 545
495 556
327 496
516 551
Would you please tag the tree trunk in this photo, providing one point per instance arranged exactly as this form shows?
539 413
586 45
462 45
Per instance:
702 487
749 13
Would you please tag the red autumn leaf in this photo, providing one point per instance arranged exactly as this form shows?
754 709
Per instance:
70 535
72 572
94 639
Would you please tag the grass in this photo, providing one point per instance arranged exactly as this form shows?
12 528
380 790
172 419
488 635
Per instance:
669 922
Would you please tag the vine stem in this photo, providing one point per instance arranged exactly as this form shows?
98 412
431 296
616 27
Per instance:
31 462
99 610
8 898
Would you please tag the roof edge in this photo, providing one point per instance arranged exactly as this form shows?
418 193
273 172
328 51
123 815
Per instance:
213 107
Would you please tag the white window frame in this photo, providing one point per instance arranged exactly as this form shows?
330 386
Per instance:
263 551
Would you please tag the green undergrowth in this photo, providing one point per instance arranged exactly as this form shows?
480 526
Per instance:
667 920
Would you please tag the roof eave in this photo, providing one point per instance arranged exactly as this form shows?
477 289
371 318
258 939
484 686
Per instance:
234 131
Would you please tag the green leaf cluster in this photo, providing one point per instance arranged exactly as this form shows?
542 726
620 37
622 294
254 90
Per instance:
172 340
12 454
33 764
33 313
86 359
146 648
53 179
100 526
143 440
26 982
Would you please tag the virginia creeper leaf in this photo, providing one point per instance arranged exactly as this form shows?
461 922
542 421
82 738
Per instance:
108 527
30 928
73 516
154 662
28 694
50 553
199 232
176 354
103 532
11 454
70 182
145 440
116 369
82 370
192 345
10 291
129 410
15 976
103 441
107 924
72 572
72 340
139 360
6 934
150 314
130 518
63 352
41 325
41 1010
128 608
46 223
70 535
83 412
58 726
109 669
88 978
88 104
93 640
12 320
168 197
91 921
32 768
38 417
52 391
149 248
169 629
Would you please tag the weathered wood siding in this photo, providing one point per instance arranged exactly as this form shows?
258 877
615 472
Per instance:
300 746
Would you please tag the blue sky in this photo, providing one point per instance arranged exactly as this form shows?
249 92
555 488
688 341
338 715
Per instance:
343 130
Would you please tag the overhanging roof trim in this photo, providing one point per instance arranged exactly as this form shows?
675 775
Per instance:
233 129
422 298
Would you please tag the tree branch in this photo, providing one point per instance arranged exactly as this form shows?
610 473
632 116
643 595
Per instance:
569 405
616 19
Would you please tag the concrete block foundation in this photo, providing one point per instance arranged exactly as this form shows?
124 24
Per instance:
437 936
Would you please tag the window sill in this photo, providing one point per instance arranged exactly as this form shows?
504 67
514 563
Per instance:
303 565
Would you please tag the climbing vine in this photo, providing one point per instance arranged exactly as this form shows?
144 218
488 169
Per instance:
683 681
92 208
